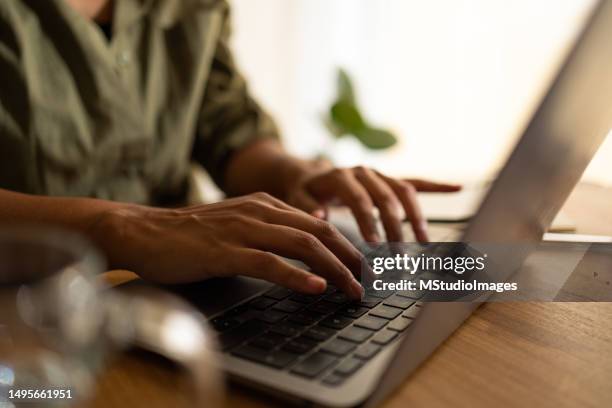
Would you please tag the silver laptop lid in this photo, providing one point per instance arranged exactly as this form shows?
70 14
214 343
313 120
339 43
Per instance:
558 144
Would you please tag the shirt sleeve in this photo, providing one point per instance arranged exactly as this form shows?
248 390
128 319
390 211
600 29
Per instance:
230 118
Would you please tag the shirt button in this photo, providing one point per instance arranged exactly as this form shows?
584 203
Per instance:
123 58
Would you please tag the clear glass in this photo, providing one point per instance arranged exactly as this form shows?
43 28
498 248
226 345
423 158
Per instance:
50 317
58 325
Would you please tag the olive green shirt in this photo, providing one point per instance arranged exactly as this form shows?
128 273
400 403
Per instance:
122 119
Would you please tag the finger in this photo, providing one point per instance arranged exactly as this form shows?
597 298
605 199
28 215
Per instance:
408 197
430 186
304 201
356 197
270 267
300 245
325 232
386 201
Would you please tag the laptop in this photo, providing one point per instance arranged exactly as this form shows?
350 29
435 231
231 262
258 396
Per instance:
326 351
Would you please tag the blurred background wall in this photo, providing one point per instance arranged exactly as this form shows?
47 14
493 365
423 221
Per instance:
455 79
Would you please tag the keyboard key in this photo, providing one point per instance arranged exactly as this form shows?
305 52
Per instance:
399 324
271 316
241 334
323 307
348 367
399 302
371 322
237 311
337 297
319 333
306 299
355 334
411 313
333 380
288 306
267 341
353 311
305 318
336 322
300 345
386 312
367 351
330 289
278 293
286 329
412 294
262 303
223 323
314 365
370 301
277 359
338 347
384 337
380 294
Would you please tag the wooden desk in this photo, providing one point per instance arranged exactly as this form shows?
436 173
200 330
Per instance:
505 355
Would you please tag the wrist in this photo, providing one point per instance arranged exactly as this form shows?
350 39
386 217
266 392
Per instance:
109 230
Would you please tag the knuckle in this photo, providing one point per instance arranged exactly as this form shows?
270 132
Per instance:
341 173
363 201
263 196
360 170
265 260
408 189
386 195
252 204
391 212
327 229
306 241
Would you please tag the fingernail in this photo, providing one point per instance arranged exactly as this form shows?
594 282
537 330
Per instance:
423 230
316 284
374 237
357 289
318 214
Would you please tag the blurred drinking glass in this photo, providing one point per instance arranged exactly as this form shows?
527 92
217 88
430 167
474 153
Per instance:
50 317
58 326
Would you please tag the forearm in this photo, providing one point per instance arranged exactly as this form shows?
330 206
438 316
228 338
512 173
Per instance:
76 214
266 166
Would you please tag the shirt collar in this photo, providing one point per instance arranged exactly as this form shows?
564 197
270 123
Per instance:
162 12
129 12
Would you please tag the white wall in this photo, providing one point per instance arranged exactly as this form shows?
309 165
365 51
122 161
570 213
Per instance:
456 79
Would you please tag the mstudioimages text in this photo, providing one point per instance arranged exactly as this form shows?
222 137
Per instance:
435 285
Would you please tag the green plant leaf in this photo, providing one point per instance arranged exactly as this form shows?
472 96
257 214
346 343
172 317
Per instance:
347 117
376 139
346 92
332 127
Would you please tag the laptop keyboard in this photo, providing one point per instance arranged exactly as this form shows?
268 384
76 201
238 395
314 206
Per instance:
325 338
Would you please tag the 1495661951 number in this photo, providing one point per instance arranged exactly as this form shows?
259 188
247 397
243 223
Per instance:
35 394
